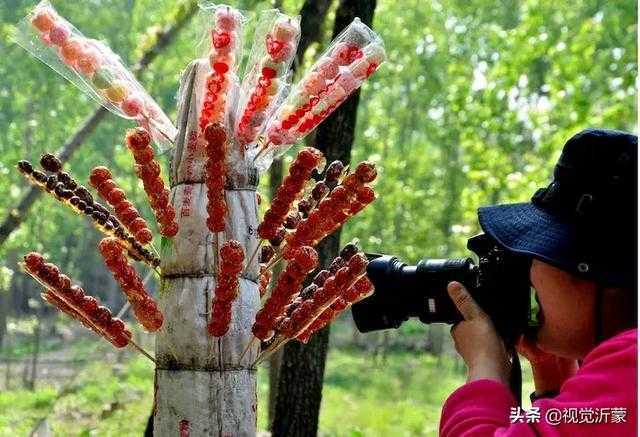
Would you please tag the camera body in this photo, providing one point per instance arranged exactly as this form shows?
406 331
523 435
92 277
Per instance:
499 283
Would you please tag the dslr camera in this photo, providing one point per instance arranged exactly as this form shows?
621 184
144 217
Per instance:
499 283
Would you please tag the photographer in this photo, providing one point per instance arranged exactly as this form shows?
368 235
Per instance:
581 234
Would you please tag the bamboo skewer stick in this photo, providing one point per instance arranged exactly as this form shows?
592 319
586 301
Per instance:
141 350
252 257
246 349
81 311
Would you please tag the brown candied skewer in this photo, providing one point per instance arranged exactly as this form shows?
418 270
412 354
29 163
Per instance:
101 179
320 278
227 288
81 202
138 141
71 299
144 307
215 175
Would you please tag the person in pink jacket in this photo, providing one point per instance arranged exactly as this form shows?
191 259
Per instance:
581 235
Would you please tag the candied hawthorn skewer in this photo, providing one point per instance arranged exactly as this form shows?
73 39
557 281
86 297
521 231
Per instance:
292 186
344 201
280 44
288 284
344 278
264 278
144 307
224 41
215 175
72 300
138 141
346 253
101 179
305 309
77 197
227 288
362 288
271 228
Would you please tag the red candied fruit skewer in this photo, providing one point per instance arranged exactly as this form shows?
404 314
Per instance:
215 175
144 307
101 179
71 300
291 188
358 291
288 284
227 288
138 141
310 309
348 198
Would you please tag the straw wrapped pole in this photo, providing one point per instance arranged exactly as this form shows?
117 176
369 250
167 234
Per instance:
200 387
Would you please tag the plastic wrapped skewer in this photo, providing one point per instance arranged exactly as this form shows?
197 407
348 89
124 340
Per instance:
274 47
351 58
224 33
92 67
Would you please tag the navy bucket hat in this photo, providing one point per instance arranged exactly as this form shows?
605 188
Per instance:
585 222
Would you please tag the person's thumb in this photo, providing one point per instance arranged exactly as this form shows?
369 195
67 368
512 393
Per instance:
463 301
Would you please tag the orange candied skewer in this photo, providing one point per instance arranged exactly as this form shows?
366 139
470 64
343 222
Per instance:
227 287
144 307
344 201
78 198
215 175
288 284
291 188
138 141
333 287
71 300
358 291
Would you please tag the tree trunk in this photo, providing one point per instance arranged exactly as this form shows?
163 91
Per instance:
312 15
201 389
302 369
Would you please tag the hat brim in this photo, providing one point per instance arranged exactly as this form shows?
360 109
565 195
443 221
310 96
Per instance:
525 229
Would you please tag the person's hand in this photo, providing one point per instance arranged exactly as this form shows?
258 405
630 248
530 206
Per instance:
476 339
549 371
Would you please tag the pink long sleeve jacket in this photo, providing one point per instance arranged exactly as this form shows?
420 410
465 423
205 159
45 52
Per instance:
599 400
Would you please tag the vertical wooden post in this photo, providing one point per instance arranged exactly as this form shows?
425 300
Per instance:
201 390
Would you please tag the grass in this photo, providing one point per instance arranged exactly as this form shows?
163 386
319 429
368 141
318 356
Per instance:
400 396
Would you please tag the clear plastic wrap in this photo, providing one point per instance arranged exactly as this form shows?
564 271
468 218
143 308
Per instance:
224 31
351 58
92 67
274 48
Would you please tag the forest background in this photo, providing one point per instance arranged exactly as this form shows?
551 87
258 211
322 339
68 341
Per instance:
472 108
